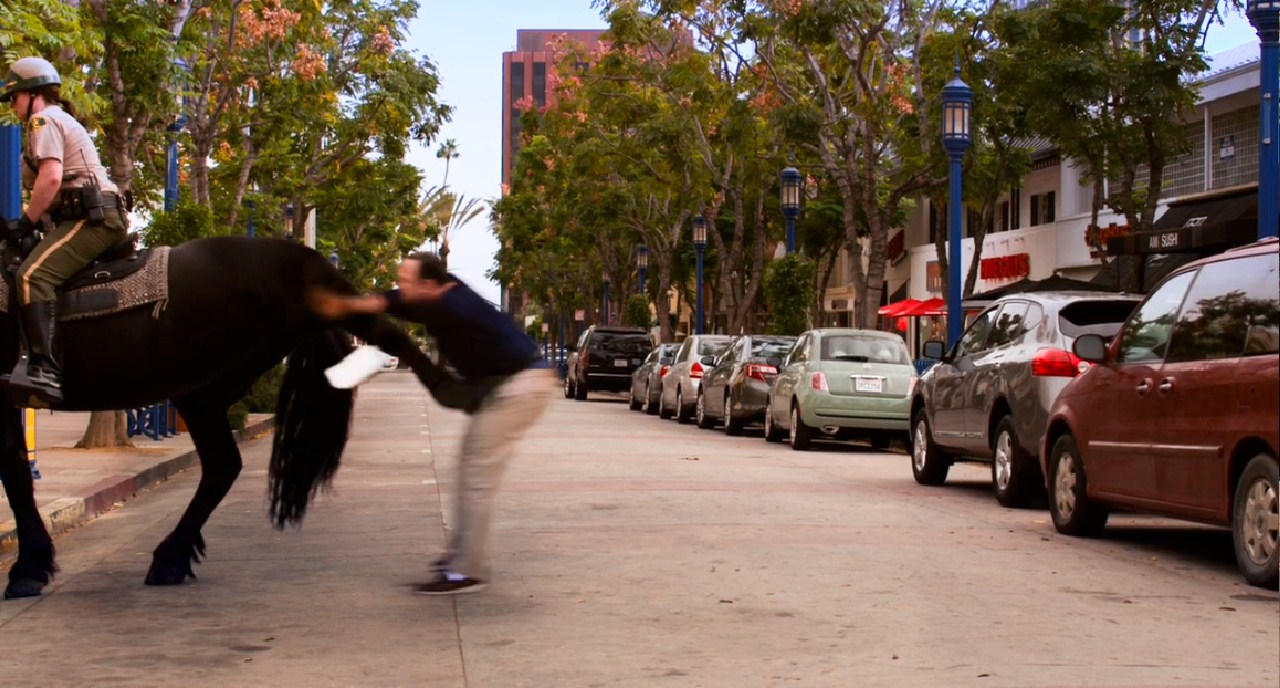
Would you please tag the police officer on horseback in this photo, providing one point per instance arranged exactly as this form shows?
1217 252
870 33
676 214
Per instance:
72 201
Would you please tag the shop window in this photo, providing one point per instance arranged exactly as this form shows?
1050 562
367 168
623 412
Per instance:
1044 208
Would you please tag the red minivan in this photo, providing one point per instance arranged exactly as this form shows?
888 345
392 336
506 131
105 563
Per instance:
1179 415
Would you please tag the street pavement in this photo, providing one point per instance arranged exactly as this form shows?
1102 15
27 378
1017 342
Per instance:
631 551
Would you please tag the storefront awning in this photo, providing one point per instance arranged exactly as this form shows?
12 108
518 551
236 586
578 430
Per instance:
897 308
1195 227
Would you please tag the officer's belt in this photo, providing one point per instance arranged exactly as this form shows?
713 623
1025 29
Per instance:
70 204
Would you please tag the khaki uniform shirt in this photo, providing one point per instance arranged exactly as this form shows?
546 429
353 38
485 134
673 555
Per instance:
52 134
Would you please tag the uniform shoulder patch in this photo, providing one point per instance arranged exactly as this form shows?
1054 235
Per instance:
38 122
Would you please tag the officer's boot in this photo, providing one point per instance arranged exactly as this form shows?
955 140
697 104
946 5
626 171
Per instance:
43 369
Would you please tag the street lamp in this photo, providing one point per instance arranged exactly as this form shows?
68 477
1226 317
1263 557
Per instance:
957 101
606 298
1265 17
789 179
699 246
642 264
288 222
175 128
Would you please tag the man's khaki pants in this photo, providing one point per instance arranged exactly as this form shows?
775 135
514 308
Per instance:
487 448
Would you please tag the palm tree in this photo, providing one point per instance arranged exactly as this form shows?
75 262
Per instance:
448 151
442 213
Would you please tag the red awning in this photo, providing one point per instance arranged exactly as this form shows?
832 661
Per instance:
898 308
930 307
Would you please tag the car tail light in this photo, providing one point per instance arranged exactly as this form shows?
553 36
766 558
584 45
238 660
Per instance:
757 371
663 371
818 381
586 360
695 370
1057 363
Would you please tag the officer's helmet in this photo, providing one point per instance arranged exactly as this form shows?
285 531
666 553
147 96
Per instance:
28 74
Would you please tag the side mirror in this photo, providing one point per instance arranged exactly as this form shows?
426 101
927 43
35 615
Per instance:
934 349
1091 348
774 361
708 360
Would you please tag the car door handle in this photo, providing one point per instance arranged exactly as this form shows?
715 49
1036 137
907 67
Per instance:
1166 385
1143 387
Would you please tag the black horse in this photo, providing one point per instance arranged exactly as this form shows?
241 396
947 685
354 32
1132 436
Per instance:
236 307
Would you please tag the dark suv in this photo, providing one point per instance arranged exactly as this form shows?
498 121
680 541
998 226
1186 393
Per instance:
604 358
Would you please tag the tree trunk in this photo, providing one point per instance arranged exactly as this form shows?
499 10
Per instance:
106 429
662 305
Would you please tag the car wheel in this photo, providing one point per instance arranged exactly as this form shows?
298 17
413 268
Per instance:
682 416
929 466
1254 522
732 426
1014 474
568 387
633 403
704 421
801 434
662 406
650 404
1073 512
771 431
580 390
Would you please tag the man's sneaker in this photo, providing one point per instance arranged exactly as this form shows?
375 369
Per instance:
447 583
359 365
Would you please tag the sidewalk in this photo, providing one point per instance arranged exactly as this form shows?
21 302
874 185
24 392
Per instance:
78 484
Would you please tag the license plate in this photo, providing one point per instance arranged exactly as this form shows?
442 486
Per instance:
620 363
872 385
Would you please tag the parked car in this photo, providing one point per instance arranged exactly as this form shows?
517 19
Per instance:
646 382
1178 415
842 383
988 398
735 390
604 358
697 354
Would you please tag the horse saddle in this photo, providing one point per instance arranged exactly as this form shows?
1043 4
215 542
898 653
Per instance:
122 277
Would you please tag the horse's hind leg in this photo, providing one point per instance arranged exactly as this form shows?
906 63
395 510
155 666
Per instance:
220 464
34 567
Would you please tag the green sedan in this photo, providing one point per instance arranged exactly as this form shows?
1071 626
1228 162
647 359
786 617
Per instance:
842 383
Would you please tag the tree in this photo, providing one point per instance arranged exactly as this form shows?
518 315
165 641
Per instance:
1109 85
848 86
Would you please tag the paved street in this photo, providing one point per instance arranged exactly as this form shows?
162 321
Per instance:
636 552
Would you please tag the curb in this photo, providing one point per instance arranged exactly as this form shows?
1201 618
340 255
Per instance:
64 514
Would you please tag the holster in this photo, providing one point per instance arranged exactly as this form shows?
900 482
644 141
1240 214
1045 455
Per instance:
86 203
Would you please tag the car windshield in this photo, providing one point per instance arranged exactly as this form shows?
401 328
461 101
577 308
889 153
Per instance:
863 349
1103 318
764 348
617 343
712 347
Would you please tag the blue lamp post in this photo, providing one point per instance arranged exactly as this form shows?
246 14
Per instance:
642 265
606 298
10 173
957 102
175 128
700 247
789 182
1265 17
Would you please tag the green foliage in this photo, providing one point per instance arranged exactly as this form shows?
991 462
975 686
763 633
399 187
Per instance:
534 330
186 222
636 312
789 294
51 29
261 398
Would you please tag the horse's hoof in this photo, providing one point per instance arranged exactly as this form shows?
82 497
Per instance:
165 574
23 587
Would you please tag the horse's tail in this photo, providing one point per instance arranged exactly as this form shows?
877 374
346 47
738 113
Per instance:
311 424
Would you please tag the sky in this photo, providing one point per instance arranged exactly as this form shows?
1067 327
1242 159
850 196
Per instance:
466 43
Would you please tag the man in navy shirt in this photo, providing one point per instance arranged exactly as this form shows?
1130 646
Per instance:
487 349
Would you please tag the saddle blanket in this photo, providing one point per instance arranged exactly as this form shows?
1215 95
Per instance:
101 293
